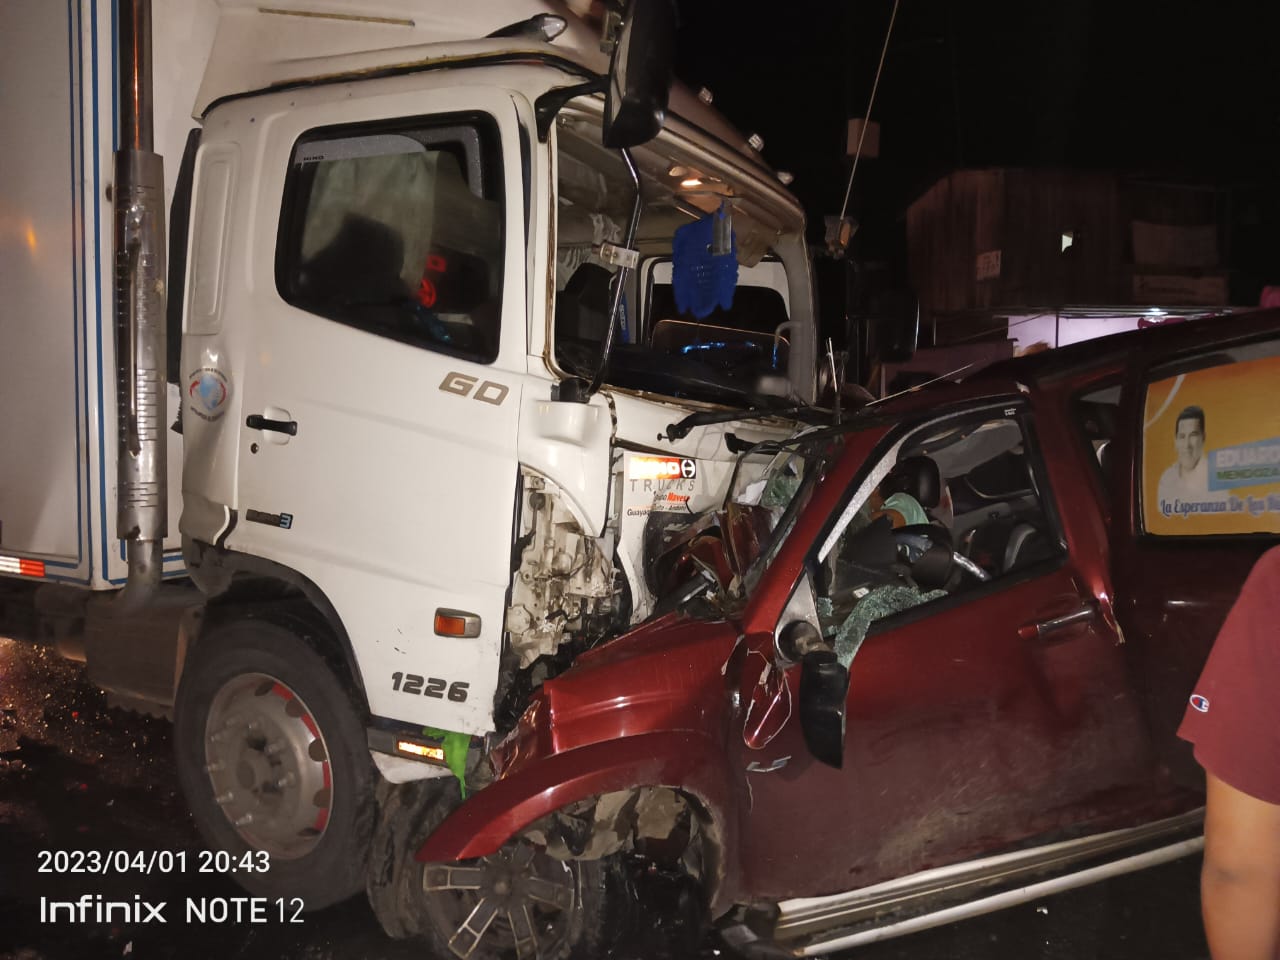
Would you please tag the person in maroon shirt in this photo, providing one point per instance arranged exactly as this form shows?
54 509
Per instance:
1234 721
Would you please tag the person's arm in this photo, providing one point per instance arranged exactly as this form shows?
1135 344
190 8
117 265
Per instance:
1240 881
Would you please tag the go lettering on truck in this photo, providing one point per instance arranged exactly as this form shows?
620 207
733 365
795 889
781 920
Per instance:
486 392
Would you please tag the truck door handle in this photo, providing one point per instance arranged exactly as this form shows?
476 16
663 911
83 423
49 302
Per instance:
256 421
1043 628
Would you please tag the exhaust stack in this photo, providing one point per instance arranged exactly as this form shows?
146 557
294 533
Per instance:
142 461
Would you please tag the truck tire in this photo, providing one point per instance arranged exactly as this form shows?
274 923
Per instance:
272 757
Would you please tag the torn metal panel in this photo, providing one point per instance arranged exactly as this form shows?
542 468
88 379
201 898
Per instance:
565 581
624 820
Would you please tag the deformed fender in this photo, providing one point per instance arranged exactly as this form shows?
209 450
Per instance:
680 759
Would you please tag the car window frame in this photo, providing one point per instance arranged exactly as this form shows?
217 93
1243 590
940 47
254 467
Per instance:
879 465
1103 482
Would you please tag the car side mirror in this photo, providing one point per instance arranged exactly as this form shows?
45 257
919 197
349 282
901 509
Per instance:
640 74
798 638
824 686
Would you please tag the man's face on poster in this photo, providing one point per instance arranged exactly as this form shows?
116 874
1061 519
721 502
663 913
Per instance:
1189 440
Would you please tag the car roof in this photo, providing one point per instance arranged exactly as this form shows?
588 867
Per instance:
1020 374
1166 338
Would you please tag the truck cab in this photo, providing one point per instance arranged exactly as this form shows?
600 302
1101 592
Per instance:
379 373
429 395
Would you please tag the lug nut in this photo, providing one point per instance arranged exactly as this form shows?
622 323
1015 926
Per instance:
245 820
288 780
274 747
223 799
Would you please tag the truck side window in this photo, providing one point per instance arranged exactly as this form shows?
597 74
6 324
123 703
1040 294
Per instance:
398 230
1211 444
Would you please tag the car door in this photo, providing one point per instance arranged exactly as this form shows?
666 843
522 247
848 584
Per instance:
989 716
382 373
1209 402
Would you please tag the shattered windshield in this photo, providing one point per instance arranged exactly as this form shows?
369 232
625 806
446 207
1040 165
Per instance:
763 510
740 353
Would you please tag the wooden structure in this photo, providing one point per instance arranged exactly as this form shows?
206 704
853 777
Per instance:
1008 240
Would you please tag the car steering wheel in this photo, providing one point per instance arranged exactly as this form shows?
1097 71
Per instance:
914 542
968 566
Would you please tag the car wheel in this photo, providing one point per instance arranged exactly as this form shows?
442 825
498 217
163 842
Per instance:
515 903
272 758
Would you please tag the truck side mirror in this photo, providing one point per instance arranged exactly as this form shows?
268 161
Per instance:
824 685
640 74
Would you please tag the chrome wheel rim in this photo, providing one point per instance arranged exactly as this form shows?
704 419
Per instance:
268 765
514 903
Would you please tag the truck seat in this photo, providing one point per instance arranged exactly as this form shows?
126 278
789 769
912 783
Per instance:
582 307
361 265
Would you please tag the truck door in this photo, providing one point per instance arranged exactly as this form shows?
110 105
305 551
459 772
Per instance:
381 361
983 713
1198 501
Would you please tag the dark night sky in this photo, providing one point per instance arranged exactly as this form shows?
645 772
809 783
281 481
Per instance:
1169 90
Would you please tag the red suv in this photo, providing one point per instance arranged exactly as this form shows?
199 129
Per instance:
923 665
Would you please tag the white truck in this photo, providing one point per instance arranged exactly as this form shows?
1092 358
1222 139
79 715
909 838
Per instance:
386 454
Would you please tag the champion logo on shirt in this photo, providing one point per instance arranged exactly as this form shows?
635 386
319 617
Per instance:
1199 703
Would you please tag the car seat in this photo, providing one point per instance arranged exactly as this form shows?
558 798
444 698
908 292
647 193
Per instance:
1027 544
918 477
1003 544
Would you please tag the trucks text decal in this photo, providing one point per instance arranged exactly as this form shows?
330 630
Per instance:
661 468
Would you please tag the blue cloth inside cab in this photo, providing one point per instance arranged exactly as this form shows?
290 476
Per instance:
701 280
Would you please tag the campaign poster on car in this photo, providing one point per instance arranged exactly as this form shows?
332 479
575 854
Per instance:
1211 451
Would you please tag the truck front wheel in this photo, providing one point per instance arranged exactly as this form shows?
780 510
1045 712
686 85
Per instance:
272 757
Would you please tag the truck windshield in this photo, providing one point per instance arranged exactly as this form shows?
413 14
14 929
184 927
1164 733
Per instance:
738 356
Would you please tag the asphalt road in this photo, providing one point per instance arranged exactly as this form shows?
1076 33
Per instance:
75 775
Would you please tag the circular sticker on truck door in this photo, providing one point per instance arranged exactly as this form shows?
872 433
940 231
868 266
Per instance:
207 392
